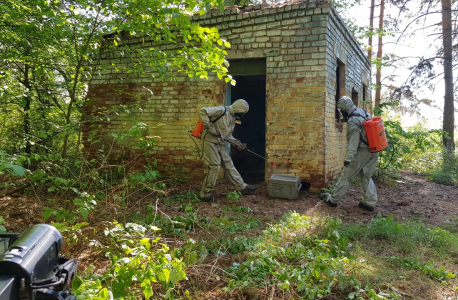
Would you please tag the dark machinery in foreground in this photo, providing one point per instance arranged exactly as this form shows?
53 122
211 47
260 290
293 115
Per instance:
31 267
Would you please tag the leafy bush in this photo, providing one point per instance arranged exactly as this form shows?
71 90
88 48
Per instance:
2 222
12 163
289 258
138 261
447 172
443 177
416 148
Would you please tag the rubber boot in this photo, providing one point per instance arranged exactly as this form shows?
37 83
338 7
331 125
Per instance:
248 190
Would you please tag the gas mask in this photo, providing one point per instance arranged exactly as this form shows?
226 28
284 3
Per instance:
238 117
344 116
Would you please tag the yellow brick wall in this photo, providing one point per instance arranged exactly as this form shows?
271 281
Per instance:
298 42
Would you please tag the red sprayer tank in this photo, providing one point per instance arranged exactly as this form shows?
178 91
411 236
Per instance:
375 132
197 132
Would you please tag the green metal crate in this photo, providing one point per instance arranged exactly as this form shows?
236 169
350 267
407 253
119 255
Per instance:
283 186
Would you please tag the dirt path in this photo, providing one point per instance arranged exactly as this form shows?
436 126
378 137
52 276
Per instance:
413 196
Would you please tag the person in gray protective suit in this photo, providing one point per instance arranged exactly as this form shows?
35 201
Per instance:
359 161
219 123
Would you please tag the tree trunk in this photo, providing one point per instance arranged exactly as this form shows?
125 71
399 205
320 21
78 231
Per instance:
72 95
378 75
26 106
369 50
371 29
68 115
28 145
449 109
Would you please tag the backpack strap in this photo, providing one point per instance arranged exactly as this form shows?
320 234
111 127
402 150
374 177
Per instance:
365 118
225 109
358 115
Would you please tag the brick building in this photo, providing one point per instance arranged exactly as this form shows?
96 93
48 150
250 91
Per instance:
291 62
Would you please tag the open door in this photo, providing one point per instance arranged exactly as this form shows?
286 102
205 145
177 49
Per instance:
250 85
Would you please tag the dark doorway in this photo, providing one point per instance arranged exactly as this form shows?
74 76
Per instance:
252 131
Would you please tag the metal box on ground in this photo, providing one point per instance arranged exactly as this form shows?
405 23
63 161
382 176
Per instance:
283 186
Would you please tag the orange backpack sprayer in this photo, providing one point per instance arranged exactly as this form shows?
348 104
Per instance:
199 128
375 132
197 132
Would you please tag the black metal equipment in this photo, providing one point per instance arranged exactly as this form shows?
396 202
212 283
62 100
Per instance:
32 269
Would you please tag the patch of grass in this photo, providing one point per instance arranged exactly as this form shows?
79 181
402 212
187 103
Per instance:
234 226
438 273
451 224
443 177
297 262
390 254
411 238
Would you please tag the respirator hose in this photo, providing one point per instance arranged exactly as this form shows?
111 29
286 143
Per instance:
197 147
392 155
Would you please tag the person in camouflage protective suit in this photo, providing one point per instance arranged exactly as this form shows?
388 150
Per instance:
359 161
219 123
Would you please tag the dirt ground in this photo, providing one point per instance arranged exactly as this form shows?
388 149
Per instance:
412 196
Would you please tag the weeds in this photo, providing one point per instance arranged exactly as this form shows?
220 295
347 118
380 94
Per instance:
161 237
438 273
291 259
2 222
138 262
233 196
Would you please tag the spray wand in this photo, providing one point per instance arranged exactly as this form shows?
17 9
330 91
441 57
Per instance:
233 143
197 133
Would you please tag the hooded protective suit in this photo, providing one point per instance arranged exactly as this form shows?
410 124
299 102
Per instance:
215 154
359 161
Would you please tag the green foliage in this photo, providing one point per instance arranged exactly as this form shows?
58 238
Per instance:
192 252
234 245
2 222
12 164
330 187
179 175
138 262
83 204
443 177
233 227
178 225
147 175
233 196
447 172
416 148
412 240
310 265
437 273
413 234
71 233
51 52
